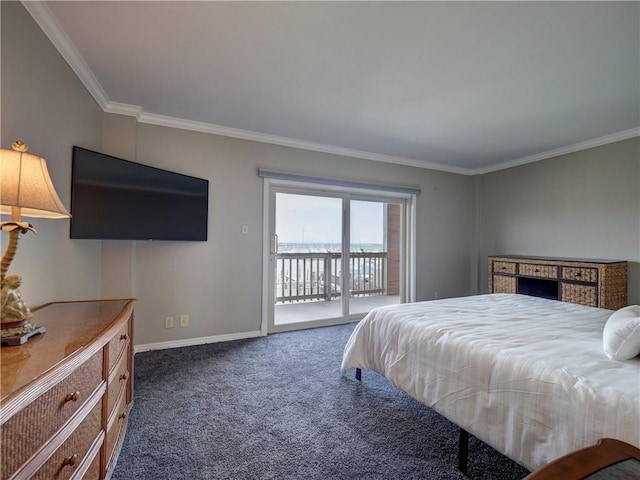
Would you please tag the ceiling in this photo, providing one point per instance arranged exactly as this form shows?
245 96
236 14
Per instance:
467 87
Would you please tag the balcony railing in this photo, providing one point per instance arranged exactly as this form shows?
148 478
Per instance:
317 275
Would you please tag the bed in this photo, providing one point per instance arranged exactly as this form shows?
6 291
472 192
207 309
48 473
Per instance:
526 375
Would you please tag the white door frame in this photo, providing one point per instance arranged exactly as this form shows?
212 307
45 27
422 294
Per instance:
347 193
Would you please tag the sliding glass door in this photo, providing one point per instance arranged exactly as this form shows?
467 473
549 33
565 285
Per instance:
332 256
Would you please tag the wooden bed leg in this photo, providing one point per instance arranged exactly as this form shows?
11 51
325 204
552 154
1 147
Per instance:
463 450
359 374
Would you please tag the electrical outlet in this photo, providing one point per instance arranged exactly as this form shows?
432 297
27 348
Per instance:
436 295
168 322
184 320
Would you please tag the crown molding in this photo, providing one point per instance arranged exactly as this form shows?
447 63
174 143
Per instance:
203 127
124 109
576 147
52 29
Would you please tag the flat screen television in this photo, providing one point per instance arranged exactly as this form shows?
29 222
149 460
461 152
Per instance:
115 199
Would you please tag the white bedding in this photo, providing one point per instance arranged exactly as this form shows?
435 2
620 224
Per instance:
526 375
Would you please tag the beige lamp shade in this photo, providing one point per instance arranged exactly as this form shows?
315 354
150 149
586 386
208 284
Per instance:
25 183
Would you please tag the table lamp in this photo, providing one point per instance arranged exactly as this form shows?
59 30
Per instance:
25 190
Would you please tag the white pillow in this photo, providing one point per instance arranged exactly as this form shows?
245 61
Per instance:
621 335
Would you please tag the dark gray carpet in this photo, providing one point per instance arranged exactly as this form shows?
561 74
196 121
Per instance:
278 407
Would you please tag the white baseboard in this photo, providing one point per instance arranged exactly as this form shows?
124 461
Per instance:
194 341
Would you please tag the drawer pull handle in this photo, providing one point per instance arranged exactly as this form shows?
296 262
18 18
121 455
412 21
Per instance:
536 270
72 397
124 376
123 415
71 461
504 268
578 274
124 336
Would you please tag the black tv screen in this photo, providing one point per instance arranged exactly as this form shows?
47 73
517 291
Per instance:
115 199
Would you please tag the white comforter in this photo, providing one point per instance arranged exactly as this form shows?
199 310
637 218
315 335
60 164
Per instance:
526 375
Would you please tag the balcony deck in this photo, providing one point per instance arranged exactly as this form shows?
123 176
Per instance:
301 312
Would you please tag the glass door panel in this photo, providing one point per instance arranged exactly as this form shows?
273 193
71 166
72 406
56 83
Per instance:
374 255
308 258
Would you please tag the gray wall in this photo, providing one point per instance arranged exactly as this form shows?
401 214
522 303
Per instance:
219 282
585 204
45 105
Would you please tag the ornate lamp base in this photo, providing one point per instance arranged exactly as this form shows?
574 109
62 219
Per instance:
19 335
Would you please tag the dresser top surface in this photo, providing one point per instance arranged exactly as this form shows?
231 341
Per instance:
557 259
70 327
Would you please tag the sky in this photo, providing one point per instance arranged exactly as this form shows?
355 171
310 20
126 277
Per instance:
311 219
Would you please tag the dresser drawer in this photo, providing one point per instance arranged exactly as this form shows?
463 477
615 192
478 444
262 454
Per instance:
504 267
580 274
117 382
29 429
504 284
115 424
535 270
64 461
119 342
581 294
93 472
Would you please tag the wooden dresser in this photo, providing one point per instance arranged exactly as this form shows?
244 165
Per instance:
66 394
595 283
